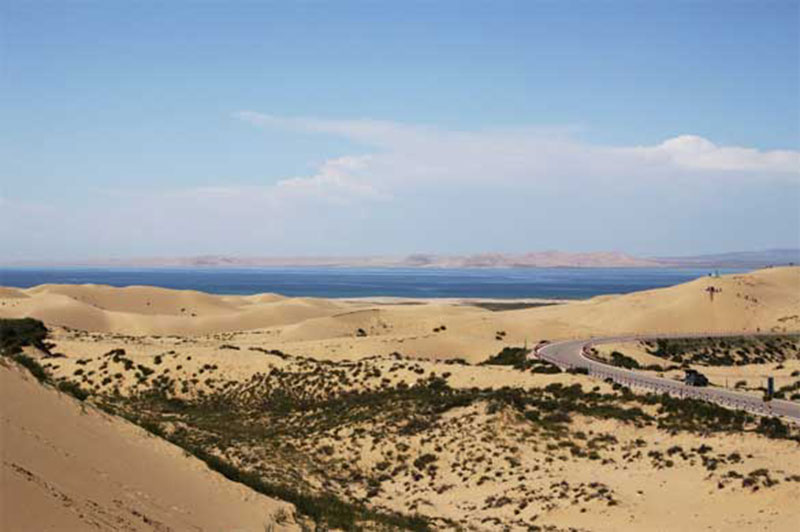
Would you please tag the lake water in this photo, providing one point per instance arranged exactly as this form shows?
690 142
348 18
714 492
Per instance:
566 283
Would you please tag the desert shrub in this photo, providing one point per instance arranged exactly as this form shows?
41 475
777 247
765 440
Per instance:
275 352
328 511
518 358
725 351
115 354
18 333
152 427
424 460
556 417
32 366
623 361
509 356
578 371
543 366
696 415
772 427
73 389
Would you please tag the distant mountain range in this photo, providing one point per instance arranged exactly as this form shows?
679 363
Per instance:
539 259
739 259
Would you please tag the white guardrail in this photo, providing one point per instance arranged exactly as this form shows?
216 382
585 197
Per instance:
631 379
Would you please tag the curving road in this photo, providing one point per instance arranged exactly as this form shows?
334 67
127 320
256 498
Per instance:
570 354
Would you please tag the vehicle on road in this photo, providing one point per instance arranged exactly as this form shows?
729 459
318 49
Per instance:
693 377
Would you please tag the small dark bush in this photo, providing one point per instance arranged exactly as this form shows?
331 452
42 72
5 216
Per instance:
509 356
772 427
18 333
578 371
623 361
33 366
73 389
423 461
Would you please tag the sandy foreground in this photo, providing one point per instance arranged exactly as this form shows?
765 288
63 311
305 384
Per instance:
71 465
67 466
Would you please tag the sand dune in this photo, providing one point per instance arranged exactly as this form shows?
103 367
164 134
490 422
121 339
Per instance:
74 468
481 453
157 311
765 300
145 300
69 467
11 293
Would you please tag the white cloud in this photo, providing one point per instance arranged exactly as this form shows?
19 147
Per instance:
693 152
406 188
374 132
337 180
411 156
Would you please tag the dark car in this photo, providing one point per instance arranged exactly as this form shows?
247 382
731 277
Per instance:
695 378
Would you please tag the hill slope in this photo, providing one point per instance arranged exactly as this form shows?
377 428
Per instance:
71 468
764 300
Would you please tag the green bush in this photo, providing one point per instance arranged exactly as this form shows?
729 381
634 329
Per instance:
423 461
33 366
772 427
578 371
623 361
518 358
326 509
509 356
73 389
18 333
542 366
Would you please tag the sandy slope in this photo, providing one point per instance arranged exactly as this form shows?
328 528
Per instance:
149 310
481 456
71 468
764 300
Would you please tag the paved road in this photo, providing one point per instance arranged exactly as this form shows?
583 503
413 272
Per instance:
570 354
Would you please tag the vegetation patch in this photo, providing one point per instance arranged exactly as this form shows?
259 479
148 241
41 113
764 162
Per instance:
366 444
726 350
18 333
518 358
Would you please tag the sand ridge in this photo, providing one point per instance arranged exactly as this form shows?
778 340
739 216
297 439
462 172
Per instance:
760 301
387 403
67 466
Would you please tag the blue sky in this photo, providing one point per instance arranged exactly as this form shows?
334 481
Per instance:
275 128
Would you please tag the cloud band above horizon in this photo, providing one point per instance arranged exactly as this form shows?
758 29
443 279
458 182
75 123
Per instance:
404 188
